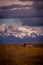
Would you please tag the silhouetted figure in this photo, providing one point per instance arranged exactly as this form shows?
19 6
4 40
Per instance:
24 44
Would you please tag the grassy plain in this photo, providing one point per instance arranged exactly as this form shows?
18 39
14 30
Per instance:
20 55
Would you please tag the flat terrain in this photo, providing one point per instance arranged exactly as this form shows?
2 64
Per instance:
20 55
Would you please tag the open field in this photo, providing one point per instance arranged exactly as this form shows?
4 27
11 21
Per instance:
20 55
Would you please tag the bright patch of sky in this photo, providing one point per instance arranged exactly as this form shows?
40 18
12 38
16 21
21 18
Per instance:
10 21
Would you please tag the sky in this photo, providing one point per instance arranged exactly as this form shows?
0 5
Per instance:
26 15
29 12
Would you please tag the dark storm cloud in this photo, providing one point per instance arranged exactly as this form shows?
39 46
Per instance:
33 11
32 21
10 6
13 6
38 5
30 0
23 13
35 5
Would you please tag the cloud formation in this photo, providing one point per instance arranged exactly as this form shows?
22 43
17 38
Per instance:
21 31
17 6
9 2
32 21
21 18
30 0
34 9
38 5
24 21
